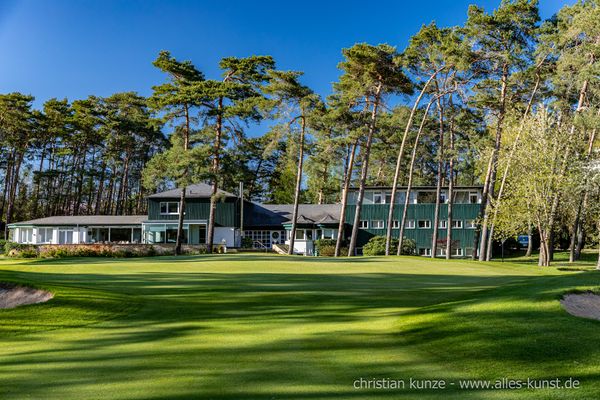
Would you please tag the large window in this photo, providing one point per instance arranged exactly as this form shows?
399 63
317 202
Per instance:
163 233
65 236
26 235
44 235
424 224
169 208
377 224
299 234
171 234
378 198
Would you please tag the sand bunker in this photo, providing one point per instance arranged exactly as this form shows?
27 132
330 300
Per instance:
584 305
12 296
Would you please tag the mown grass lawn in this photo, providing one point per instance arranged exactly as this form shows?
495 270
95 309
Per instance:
275 327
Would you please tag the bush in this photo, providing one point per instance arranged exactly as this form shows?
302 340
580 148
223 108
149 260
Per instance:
326 247
409 247
246 243
376 246
2 244
21 250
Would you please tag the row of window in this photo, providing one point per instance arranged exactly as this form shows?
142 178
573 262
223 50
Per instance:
441 252
384 197
44 236
421 224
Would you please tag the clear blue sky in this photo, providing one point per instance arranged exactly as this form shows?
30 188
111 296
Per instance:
76 48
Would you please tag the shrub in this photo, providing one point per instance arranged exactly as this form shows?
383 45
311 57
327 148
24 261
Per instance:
376 246
2 244
326 247
409 247
21 250
246 243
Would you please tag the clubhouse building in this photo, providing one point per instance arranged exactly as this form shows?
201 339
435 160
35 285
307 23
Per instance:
261 226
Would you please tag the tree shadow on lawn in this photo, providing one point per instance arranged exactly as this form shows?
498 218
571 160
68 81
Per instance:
317 331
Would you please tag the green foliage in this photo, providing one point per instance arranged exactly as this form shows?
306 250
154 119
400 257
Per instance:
376 246
246 243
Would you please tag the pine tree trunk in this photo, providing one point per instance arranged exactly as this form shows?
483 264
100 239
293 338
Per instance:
215 170
492 168
186 144
438 189
347 180
411 171
297 188
390 219
364 171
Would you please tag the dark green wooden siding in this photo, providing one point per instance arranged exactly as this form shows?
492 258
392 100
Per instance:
195 209
423 237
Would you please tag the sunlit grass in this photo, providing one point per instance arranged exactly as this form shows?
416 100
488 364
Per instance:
275 327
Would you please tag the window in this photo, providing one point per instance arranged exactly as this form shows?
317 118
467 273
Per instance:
363 224
396 224
388 197
410 224
309 234
457 252
440 251
443 224
425 252
424 224
473 198
378 198
170 234
377 224
65 236
26 235
471 224
299 234
457 224
44 235
169 208
468 251
442 197
328 234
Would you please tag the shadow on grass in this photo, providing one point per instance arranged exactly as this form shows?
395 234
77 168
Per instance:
257 335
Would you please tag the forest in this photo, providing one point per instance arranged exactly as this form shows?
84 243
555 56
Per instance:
506 101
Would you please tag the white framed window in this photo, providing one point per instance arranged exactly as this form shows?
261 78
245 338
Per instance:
424 224
65 236
425 252
26 235
395 224
377 224
473 198
44 235
363 224
468 251
456 252
328 234
388 197
410 224
457 224
443 198
169 208
470 224
440 251
299 234
443 224
378 198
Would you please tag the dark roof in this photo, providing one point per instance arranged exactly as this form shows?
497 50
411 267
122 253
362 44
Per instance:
417 187
195 191
278 214
86 220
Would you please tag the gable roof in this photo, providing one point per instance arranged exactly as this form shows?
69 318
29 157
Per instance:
277 214
73 220
195 191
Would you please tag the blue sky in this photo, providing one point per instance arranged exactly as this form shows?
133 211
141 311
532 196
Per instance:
76 48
